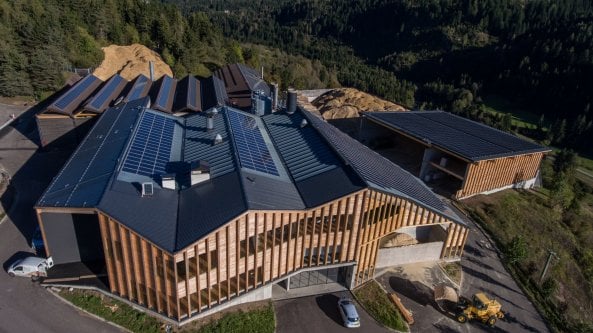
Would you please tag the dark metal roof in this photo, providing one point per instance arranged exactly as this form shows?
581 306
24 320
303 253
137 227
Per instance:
378 172
72 98
315 164
318 173
188 95
239 82
111 90
139 89
199 144
82 180
463 137
166 93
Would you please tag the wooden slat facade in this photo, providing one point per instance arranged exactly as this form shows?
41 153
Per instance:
488 175
258 248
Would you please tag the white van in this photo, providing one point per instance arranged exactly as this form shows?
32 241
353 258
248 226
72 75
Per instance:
34 267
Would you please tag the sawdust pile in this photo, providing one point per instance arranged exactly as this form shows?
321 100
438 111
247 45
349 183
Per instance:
348 102
399 239
130 61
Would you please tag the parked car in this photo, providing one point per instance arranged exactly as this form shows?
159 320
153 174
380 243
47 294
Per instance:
348 312
33 267
37 241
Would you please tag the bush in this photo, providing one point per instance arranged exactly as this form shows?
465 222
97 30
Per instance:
516 250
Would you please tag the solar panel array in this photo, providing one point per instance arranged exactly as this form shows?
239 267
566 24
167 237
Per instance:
106 92
464 137
164 92
150 150
138 88
251 147
75 92
193 96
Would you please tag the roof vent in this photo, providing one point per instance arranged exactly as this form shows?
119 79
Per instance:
304 123
168 181
217 139
210 120
147 189
200 172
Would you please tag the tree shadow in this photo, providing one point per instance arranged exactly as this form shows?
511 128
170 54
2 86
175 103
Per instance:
512 319
329 305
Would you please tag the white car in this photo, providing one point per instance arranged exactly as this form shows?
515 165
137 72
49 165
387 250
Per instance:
348 312
33 267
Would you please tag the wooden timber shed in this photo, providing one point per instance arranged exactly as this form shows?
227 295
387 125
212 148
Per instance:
463 156
188 220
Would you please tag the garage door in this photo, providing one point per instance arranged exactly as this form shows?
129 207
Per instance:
317 277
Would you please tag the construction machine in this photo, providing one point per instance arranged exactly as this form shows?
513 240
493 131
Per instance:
479 307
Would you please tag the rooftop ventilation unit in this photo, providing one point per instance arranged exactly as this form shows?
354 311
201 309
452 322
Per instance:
200 172
217 139
168 181
210 120
304 123
147 189
291 102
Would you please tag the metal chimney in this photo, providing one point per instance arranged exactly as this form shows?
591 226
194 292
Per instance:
274 96
151 70
291 103
210 119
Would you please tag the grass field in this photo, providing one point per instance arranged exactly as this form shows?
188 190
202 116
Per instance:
508 214
378 305
500 105
253 318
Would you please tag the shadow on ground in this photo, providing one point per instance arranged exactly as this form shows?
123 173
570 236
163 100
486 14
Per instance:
17 256
329 305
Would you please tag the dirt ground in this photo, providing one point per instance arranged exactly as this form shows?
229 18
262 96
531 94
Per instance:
130 61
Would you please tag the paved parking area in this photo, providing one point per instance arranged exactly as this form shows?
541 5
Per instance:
314 314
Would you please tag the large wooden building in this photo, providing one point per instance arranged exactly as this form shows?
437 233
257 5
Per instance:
462 157
192 214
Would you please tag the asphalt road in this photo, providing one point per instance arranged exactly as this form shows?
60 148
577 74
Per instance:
314 314
25 306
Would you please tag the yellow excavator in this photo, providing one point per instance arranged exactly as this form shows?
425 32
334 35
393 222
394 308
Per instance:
479 307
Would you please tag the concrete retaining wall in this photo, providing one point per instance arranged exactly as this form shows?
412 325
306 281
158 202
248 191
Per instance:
409 254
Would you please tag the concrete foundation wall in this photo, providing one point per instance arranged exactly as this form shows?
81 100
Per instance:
260 294
409 254
426 234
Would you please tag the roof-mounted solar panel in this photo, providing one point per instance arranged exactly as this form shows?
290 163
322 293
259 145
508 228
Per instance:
140 88
253 152
150 150
110 91
69 102
164 99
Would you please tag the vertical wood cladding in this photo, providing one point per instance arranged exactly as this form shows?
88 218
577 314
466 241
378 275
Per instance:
258 248
489 175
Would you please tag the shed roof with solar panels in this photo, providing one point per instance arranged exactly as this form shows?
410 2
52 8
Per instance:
272 162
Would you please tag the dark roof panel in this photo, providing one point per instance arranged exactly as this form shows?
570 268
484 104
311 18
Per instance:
468 139
139 89
109 92
378 172
164 99
188 95
82 180
207 206
69 102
